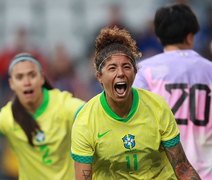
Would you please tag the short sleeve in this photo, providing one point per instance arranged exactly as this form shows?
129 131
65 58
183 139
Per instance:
82 149
168 127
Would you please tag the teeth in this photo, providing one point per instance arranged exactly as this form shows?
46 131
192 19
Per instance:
120 83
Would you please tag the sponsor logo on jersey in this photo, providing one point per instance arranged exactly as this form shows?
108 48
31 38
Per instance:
100 135
129 141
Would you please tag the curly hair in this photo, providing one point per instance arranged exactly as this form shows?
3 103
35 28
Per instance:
112 41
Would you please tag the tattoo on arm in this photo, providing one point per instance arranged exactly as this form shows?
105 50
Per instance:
183 169
83 171
87 174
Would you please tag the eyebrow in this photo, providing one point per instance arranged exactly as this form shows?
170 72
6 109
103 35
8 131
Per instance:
27 73
126 63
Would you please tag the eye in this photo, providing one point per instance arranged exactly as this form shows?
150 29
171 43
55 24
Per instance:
127 66
33 74
19 77
111 68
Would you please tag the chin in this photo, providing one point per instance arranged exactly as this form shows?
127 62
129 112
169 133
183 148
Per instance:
29 102
121 99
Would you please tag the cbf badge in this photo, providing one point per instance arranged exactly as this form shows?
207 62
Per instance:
129 141
40 136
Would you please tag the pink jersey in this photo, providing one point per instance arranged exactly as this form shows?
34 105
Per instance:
184 79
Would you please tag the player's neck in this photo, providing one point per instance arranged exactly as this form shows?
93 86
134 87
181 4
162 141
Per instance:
31 107
175 47
122 109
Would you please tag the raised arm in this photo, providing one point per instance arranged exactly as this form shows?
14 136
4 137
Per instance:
183 169
83 171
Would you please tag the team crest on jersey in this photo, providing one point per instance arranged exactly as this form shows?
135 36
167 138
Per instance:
40 136
129 141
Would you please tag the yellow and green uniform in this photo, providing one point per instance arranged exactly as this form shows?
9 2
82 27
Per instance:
126 148
50 156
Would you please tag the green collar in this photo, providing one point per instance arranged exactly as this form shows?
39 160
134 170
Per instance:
112 114
43 105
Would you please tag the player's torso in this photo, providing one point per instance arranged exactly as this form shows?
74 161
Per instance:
185 80
49 157
128 150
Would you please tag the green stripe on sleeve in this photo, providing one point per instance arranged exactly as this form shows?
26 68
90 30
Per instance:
172 142
82 159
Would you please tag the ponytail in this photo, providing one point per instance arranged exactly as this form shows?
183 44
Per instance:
25 120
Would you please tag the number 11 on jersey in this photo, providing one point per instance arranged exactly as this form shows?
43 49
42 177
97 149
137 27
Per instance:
132 162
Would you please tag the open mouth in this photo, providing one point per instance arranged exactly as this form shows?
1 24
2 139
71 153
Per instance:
28 92
120 88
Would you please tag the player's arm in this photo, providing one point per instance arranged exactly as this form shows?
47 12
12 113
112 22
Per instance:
83 171
183 169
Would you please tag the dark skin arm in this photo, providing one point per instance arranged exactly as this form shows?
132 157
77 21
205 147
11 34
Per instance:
183 169
83 171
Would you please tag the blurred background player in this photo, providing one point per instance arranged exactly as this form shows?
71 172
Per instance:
184 78
119 133
38 122
20 43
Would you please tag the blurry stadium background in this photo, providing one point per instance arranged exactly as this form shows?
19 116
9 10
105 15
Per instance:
61 33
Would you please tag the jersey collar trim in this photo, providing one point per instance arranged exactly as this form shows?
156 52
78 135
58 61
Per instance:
112 114
43 105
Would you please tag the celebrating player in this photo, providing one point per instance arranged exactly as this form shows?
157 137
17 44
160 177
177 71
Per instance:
38 122
184 78
125 133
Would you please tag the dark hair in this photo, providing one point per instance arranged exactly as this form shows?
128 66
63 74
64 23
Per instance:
20 114
25 119
174 23
114 40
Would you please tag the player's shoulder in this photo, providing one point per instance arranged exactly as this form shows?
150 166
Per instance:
202 65
150 98
59 93
7 109
207 62
147 93
93 102
90 106
64 98
6 116
151 60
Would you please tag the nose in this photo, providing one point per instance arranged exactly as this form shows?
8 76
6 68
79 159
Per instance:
120 72
26 81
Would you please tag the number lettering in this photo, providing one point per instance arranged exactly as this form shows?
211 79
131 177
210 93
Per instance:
192 94
45 157
194 88
179 102
135 162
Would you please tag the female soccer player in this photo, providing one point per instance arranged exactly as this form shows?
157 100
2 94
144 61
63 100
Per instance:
125 133
38 122
187 88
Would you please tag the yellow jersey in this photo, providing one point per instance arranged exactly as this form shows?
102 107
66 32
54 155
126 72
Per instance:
126 148
49 159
